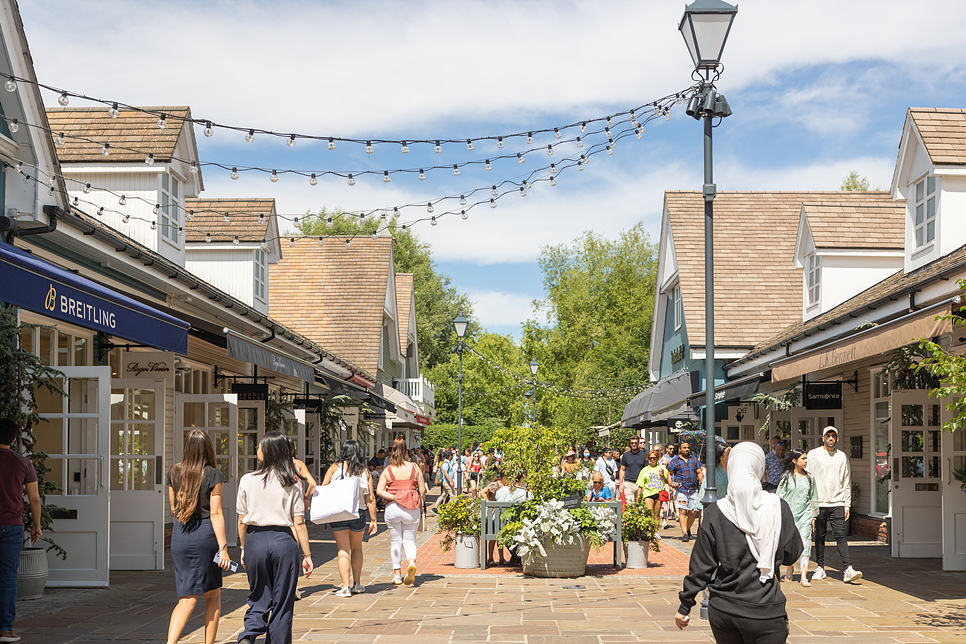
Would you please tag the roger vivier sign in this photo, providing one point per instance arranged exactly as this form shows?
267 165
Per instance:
153 365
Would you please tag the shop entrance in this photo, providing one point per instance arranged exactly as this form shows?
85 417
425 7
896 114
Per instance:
75 437
954 500
916 472
136 475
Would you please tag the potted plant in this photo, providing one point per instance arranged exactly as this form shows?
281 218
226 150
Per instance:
459 522
638 528
21 376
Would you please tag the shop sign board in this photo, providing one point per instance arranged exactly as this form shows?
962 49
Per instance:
823 395
152 365
249 391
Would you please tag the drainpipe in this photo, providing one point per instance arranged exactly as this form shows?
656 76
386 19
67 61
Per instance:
12 228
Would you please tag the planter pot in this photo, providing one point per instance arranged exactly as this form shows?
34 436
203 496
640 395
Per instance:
568 560
467 551
32 575
635 553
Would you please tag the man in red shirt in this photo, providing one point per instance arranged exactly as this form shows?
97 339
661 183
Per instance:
16 475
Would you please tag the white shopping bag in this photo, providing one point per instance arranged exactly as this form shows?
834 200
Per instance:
337 501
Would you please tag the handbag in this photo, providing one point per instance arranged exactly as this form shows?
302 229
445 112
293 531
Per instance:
339 503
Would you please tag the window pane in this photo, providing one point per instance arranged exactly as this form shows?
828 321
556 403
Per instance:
141 474
931 208
164 183
142 404
919 189
47 346
919 215
220 439
913 467
174 188
930 231
117 473
930 185
49 436
27 340
82 436
164 203
56 474
50 403
80 352
217 415
142 440
117 439
117 404
82 475
194 414
911 441
919 241
83 395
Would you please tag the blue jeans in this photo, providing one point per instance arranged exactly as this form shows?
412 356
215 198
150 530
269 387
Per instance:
11 543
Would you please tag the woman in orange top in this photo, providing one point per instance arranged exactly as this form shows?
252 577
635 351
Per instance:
403 487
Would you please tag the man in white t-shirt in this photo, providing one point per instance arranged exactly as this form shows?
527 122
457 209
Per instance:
832 473
609 468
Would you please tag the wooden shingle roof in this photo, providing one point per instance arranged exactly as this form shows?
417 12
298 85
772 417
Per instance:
404 303
334 295
131 130
877 223
758 289
943 132
208 216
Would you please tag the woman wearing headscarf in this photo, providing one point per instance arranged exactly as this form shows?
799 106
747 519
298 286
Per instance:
744 540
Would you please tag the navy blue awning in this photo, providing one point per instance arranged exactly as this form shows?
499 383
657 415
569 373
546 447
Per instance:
39 286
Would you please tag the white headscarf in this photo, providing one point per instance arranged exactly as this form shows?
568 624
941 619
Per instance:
754 511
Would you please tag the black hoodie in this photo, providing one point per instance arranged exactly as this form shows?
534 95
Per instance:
721 549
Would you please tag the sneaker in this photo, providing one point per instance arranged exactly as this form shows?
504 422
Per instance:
343 592
397 580
358 588
411 575
851 574
686 538
819 574
9 636
658 537
298 594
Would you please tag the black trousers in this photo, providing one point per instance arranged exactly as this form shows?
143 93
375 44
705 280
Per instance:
272 561
836 517
728 629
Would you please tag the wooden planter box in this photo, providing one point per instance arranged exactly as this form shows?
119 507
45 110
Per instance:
568 560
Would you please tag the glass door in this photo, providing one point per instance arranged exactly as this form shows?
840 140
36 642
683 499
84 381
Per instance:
74 435
917 499
137 475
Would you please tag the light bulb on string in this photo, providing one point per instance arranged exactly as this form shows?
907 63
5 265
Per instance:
456 170
469 145
274 177
429 207
190 216
499 143
464 215
657 109
250 136
607 133
529 137
100 212
634 118
156 209
580 143
405 231
291 242
208 131
351 181
235 240
549 150
154 225
526 184
76 201
329 224
610 146
313 181
11 85
553 180
149 159
520 158
226 218
432 221
488 165
462 200
405 148
639 132
296 223
667 114
438 149
122 200
422 175
291 142
51 191
261 218
368 147
14 125
59 141
362 219
492 203
494 192
124 219
87 189
321 240
331 145
553 168
193 168
114 112
234 174
162 122
610 122
585 159
395 212
348 244
385 176
580 166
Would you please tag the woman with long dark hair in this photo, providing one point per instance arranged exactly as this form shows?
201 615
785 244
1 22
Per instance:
198 535
798 489
348 534
402 485
271 529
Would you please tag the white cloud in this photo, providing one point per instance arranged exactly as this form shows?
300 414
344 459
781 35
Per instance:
499 309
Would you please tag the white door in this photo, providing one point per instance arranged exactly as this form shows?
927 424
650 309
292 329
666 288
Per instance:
137 475
251 428
294 425
954 499
216 414
916 496
311 459
75 438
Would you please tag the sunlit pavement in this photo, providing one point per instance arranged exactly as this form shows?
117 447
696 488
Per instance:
903 601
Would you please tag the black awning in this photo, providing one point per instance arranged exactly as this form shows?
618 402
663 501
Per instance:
343 388
730 390
242 348
668 395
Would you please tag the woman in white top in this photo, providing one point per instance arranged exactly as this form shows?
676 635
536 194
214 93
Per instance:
348 534
271 530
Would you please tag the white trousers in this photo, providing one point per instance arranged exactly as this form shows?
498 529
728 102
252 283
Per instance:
402 523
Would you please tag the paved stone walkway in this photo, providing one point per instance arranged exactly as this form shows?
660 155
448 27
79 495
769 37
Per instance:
898 601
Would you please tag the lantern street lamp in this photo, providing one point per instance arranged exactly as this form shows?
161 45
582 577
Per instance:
534 365
460 324
705 27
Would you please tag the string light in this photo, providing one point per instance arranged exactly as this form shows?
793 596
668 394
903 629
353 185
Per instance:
395 212
523 191
148 159
297 224
122 200
385 176
162 122
59 141
495 192
488 166
250 136
369 147
13 125
274 177
154 225
291 142
193 168
462 200
469 145
553 181
125 219
553 168
422 175
520 158
87 189
492 203
11 85
208 131
500 144
433 222
438 149
549 150
63 100
348 244
190 216
456 170
331 145
405 148
291 243
464 215
113 112
156 209
313 181
226 218
352 181
329 224
556 133
235 240
529 138
234 174
429 207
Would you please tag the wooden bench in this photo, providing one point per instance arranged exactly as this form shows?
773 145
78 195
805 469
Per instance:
491 522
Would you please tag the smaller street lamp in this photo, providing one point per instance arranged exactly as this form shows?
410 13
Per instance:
534 365
459 323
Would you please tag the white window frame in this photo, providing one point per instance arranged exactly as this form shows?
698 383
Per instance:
873 399
261 275
169 219
813 278
925 193
678 307
59 329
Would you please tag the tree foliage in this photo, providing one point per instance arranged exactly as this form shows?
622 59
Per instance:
438 301
854 183
949 370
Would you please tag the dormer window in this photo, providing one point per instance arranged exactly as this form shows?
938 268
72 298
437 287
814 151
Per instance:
260 272
678 310
925 228
813 277
170 200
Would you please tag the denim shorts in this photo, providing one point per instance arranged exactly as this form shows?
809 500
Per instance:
356 525
687 501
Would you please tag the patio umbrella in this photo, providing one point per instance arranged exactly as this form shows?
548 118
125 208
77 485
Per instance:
695 438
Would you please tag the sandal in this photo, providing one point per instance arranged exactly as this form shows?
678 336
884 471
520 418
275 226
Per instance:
805 583
503 562
490 562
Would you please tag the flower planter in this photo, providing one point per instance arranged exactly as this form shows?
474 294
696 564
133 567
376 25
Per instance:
32 574
635 553
566 560
467 552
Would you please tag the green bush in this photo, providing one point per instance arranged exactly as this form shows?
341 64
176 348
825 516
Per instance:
638 524
440 435
460 516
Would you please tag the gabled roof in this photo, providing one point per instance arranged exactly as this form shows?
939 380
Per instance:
335 295
943 132
404 304
758 290
131 130
875 223
208 216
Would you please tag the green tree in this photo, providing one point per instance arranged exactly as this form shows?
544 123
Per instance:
949 370
854 183
437 299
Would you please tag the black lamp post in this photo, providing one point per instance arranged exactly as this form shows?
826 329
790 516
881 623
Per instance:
460 324
534 365
705 27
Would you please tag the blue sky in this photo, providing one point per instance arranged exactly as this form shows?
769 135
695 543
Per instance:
816 90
